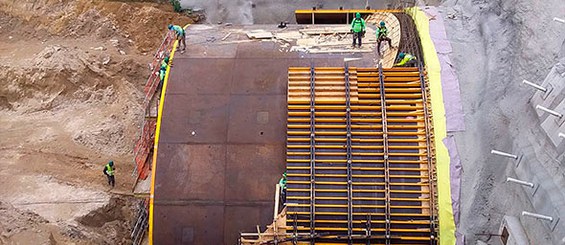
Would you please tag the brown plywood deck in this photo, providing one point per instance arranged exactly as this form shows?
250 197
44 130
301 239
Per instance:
220 181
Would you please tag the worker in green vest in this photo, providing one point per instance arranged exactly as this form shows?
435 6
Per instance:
109 172
165 62
282 185
382 35
180 35
162 73
358 29
406 60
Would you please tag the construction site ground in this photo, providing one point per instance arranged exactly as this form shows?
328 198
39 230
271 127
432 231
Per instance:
72 74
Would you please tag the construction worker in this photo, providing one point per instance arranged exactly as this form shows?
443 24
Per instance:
181 35
358 29
165 62
162 72
382 35
406 60
282 185
109 172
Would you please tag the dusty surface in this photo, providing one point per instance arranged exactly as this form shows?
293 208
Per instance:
506 41
72 74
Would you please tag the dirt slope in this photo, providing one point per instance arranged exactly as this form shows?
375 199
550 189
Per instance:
72 74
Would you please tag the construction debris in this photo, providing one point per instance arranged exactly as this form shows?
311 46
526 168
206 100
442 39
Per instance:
260 34
226 36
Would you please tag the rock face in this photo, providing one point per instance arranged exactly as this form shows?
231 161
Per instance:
269 11
497 44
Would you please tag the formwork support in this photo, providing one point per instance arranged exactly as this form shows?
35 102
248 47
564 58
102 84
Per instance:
349 156
312 152
385 155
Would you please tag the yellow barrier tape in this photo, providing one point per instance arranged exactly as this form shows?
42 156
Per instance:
155 146
446 220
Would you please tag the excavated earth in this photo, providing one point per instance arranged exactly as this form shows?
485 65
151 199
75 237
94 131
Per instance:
72 76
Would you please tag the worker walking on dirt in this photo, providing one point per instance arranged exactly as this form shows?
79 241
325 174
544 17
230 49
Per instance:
382 35
406 60
109 172
358 29
181 35
282 185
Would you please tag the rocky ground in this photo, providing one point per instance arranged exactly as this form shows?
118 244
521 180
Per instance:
72 77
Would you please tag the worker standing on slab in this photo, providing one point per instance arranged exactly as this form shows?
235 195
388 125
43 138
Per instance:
109 172
358 29
406 60
282 185
181 35
382 35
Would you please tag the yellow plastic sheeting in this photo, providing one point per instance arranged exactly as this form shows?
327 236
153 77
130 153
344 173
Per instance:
157 134
446 220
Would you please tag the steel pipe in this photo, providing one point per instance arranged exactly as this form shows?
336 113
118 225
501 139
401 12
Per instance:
504 154
538 87
538 216
520 182
552 112
559 20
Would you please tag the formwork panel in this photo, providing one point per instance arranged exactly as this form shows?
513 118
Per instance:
205 115
358 156
256 167
214 76
254 119
198 170
257 78
198 224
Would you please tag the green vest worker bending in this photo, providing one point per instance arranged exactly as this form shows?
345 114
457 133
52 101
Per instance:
180 34
358 29
109 172
406 60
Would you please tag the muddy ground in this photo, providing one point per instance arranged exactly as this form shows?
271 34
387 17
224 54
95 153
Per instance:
72 76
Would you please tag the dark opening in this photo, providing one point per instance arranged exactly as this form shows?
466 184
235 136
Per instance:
327 18
504 236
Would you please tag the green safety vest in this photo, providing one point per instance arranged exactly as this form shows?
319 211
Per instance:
383 31
164 64
162 75
358 25
407 57
109 170
282 183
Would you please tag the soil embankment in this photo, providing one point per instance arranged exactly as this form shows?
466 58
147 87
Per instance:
72 76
